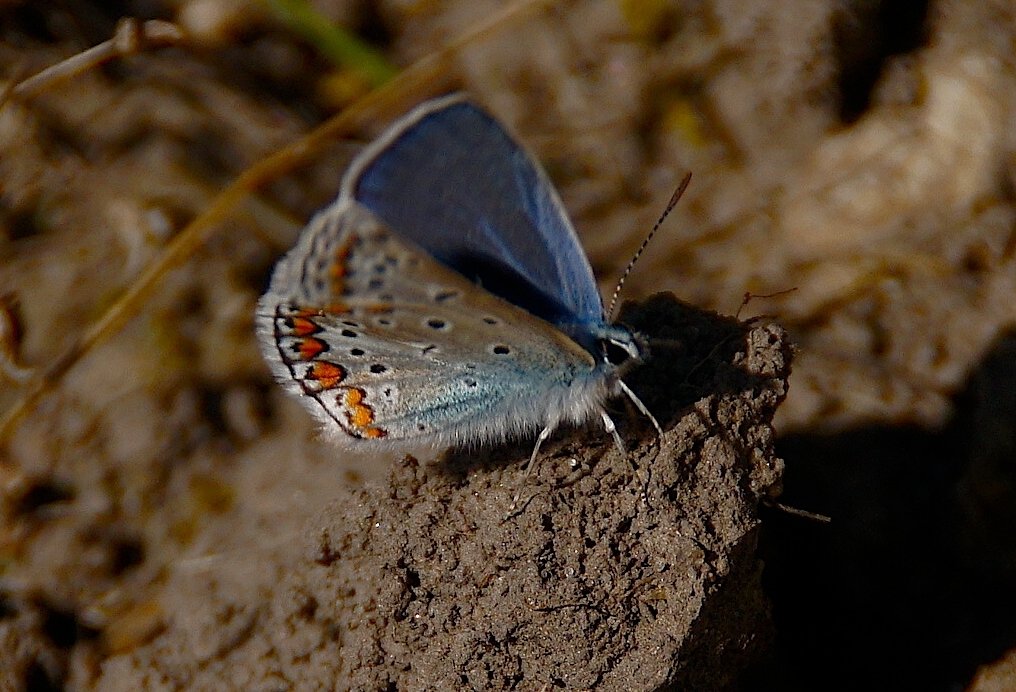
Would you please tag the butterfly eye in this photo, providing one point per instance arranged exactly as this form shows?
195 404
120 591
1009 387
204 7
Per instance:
501 350
614 353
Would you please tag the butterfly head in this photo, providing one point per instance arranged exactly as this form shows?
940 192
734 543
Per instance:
623 349
620 348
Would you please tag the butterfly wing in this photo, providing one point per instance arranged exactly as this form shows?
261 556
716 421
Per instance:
381 341
448 178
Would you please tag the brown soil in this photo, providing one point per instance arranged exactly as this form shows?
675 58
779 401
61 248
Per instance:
602 576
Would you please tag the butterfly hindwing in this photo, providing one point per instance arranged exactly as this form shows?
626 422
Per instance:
386 343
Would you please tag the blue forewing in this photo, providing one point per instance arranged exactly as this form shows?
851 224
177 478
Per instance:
449 179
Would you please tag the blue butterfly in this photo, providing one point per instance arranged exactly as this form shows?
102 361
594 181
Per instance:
444 296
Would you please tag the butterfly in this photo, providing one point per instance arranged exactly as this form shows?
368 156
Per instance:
444 297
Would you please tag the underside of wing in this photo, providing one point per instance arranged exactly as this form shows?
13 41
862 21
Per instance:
382 342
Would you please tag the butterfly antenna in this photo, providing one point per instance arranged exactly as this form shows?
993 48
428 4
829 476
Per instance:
638 253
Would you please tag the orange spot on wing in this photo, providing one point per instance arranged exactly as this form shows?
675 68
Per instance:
361 415
302 326
309 348
326 374
339 269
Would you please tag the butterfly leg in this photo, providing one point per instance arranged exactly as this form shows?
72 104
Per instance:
540 439
640 406
608 424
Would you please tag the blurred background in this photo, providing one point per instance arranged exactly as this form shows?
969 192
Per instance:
853 169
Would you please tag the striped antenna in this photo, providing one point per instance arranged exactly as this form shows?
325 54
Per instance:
638 253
